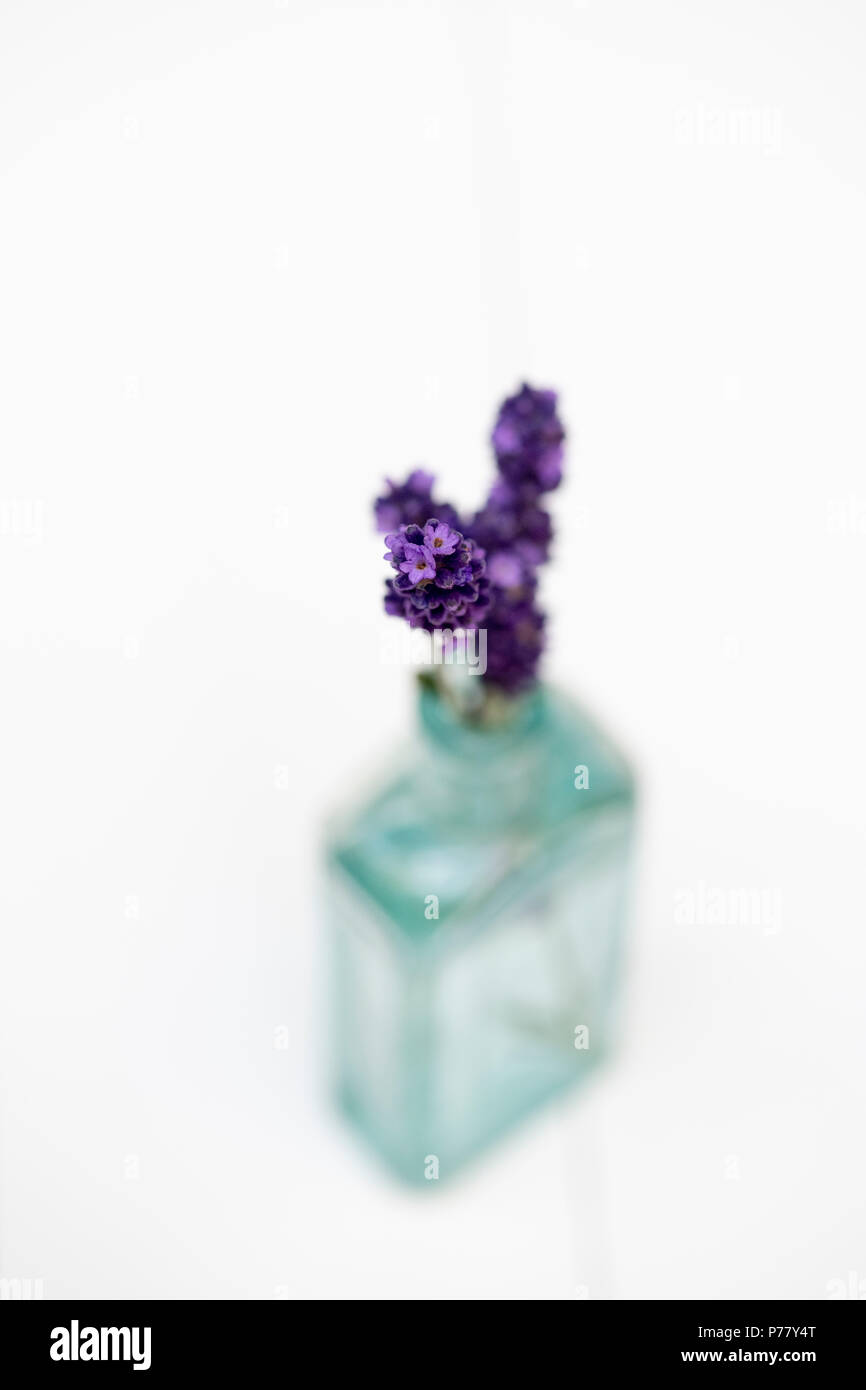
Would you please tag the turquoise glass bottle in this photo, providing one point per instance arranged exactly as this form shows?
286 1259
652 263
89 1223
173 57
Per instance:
476 914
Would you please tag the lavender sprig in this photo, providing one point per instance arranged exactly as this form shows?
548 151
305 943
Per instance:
528 439
462 573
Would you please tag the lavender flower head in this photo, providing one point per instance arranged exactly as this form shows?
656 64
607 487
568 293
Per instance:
440 577
411 503
528 439
462 573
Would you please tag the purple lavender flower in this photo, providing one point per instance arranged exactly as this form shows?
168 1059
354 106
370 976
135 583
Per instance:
513 519
515 640
435 585
505 569
484 570
419 564
410 503
441 538
528 439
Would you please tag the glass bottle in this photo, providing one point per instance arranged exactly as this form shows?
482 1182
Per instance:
476 912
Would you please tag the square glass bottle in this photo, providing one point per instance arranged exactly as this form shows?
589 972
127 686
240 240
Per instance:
476 913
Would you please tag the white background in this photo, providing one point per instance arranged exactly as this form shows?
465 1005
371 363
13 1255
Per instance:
255 256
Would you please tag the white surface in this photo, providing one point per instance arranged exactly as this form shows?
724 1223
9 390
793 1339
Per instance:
254 257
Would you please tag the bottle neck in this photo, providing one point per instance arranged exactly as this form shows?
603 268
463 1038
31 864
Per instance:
483 776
